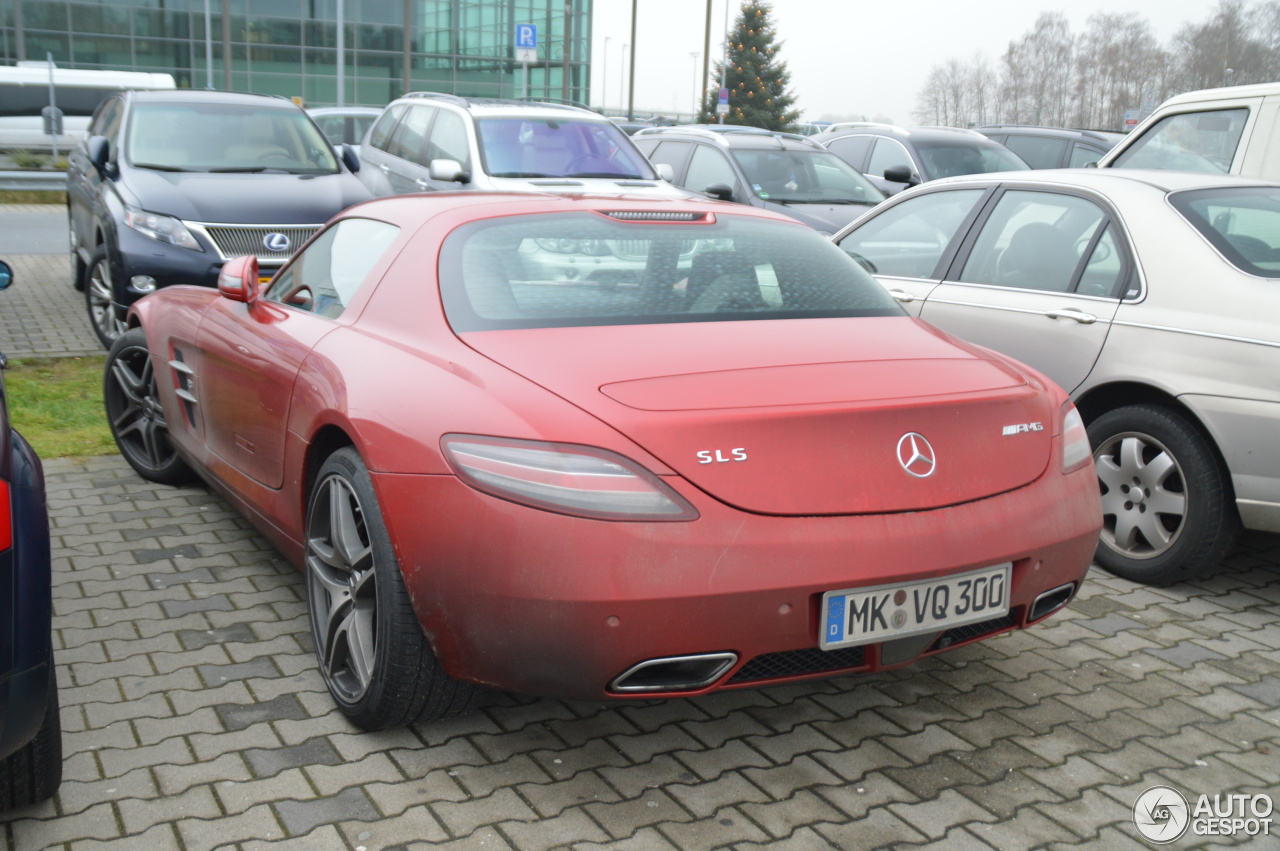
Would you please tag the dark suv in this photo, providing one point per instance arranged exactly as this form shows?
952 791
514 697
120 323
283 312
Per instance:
1053 147
169 184
785 172
30 728
893 158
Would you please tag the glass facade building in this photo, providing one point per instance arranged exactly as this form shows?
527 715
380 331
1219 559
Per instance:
290 47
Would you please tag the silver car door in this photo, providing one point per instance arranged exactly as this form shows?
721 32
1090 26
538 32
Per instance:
1040 281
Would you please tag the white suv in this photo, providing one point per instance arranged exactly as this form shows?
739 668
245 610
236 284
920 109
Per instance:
426 141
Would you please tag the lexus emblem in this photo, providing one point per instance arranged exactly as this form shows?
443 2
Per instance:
915 454
276 242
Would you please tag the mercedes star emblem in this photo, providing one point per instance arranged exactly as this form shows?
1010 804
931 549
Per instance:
915 454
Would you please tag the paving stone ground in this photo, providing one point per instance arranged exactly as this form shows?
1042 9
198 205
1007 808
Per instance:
195 719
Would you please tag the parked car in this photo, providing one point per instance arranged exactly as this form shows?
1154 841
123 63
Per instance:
739 463
169 184
783 172
1052 147
344 124
894 159
1233 130
1151 297
30 726
426 141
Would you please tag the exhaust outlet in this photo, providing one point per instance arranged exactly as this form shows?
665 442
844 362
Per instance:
1050 601
674 673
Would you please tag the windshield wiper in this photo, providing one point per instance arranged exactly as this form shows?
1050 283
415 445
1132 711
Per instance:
245 169
522 174
610 174
158 167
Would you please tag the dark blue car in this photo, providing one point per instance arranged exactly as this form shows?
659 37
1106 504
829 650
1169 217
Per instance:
30 729
170 184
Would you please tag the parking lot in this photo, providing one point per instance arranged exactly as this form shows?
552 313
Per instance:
194 717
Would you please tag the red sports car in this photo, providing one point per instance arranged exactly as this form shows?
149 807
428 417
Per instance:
603 447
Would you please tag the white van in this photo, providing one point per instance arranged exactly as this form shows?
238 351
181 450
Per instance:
1233 130
24 91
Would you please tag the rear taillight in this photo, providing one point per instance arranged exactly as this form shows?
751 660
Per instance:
1075 440
564 478
6 517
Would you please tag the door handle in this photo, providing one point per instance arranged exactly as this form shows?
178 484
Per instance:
385 168
422 184
902 296
1072 313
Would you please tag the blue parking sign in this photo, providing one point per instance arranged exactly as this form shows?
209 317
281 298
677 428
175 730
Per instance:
527 36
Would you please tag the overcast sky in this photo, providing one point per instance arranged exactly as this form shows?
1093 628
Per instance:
845 57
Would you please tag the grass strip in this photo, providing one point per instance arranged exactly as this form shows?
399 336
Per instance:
56 403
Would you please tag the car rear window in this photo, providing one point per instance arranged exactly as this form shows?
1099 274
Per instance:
1205 142
587 268
1242 223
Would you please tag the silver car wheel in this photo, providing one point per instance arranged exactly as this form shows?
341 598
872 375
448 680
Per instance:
1144 502
343 587
100 298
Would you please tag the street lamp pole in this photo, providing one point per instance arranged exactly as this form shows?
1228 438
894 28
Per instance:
622 83
631 77
604 80
695 54
724 65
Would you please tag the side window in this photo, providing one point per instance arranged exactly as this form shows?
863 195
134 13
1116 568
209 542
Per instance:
449 140
852 149
331 127
1191 141
673 154
1104 270
709 166
381 135
1082 155
909 239
325 277
1033 240
406 141
887 154
1038 151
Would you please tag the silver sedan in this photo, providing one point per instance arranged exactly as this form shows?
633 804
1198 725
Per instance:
1152 298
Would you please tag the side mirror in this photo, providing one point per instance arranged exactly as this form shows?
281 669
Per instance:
719 191
1093 164
901 174
6 275
350 159
665 171
450 170
98 149
238 279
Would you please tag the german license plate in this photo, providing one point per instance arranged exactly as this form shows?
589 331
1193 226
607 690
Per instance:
865 615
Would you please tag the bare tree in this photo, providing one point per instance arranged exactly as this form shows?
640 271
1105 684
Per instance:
1223 51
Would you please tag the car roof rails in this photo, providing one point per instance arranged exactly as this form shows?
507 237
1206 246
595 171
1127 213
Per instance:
456 99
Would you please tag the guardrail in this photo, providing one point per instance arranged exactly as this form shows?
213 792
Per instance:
34 181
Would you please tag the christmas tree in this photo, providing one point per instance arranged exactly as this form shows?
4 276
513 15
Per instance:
756 79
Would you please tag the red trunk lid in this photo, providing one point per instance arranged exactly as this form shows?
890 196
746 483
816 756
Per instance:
801 417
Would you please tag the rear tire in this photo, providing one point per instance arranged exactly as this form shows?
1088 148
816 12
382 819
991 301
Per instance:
33 772
1168 511
378 665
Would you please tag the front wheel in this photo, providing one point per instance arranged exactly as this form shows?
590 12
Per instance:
1167 509
100 299
135 414
377 663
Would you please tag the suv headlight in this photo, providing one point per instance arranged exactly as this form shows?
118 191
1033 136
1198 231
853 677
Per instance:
161 228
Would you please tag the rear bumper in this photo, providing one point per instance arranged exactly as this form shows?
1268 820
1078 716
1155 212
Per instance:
546 604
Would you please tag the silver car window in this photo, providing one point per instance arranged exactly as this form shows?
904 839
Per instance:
1033 240
909 239
1242 223
325 277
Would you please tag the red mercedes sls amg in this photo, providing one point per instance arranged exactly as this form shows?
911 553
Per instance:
601 447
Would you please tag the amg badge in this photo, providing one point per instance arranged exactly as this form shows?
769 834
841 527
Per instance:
1022 428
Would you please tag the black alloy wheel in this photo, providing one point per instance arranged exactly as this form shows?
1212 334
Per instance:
376 662
135 413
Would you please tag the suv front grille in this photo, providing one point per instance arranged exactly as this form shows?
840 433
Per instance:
240 240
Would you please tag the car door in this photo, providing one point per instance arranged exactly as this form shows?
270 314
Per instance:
1039 278
405 164
375 160
670 152
710 166
250 354
84 184
885 154
908 245
447 140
